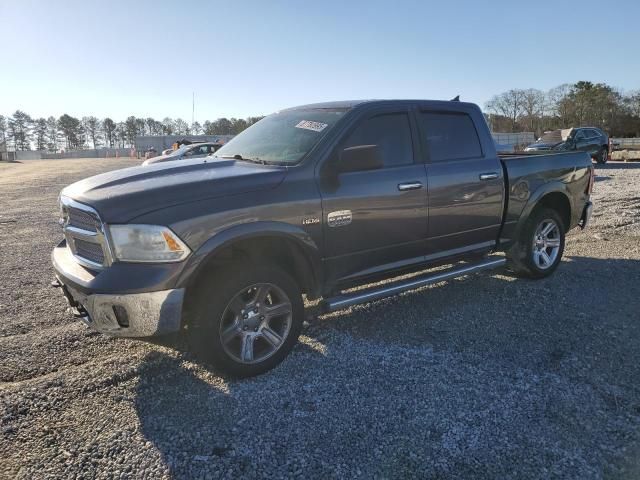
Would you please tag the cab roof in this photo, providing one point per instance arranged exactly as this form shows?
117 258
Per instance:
349 104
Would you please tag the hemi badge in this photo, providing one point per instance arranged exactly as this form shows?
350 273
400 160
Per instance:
310 221
339 218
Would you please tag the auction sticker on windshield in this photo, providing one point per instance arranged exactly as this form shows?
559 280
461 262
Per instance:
309 125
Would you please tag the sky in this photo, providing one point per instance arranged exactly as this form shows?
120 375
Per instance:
243 58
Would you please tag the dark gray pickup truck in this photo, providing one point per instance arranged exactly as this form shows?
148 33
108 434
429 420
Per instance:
311 200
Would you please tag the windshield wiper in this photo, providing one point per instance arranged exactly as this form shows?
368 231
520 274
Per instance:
237 156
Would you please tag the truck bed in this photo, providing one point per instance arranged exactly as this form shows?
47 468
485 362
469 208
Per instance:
532 175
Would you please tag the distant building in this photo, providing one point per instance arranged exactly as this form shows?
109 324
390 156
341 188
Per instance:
163 142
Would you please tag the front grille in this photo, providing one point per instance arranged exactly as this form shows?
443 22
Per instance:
83 220
84 233
89 251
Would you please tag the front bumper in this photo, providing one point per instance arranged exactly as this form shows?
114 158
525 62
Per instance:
136 314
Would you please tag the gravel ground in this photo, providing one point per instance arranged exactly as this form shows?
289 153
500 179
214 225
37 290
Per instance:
484 377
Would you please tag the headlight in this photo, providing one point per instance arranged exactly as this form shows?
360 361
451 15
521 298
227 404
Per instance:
146 243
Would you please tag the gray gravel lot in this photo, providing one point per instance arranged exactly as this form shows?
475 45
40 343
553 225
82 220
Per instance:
483 377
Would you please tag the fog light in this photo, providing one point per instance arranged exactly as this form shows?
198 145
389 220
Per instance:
122 316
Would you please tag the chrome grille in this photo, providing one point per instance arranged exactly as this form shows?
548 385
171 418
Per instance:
84 232
91 251
83 220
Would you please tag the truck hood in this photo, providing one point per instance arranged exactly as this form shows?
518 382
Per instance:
123 195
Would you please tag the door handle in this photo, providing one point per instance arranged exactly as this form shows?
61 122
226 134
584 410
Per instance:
488 176
403 187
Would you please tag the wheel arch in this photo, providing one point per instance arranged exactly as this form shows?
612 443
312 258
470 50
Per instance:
553 195
289 246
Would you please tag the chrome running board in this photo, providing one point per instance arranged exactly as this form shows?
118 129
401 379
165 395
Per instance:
346 300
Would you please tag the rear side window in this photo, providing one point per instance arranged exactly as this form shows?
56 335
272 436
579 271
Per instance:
391 132
594 133
450 136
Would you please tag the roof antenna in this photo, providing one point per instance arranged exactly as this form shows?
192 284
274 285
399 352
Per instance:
456 99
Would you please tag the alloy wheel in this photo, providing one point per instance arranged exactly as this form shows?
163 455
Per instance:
546 244
256 323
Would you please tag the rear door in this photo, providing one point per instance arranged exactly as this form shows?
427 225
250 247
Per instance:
595 141
465 183
376 219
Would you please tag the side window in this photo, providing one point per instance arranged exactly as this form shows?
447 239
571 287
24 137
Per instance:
450 136
392 134
580 135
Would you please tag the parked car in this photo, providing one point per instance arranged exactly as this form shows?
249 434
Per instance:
586 139
195 150
311 200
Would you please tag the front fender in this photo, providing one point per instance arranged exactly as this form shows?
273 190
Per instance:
247 231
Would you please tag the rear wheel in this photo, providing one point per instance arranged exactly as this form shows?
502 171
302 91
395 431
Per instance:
538 251
247 319
603 155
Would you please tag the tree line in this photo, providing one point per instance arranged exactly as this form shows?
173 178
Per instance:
517 110
570 105
22 132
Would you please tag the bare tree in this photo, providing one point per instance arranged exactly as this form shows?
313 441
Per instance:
631 100
556 99
533 104
53 134
168 126
181 127
509 104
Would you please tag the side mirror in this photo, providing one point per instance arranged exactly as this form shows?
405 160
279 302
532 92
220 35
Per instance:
360 158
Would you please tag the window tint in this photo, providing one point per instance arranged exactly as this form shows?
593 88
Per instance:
594 133
391 133
580 135
450 136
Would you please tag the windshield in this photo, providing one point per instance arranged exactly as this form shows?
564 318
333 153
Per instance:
282 138
179 151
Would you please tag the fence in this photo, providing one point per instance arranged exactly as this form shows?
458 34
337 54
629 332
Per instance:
92 153
626 143
520 139
163 142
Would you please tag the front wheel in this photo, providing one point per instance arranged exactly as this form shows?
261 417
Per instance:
538 251
247 319
602 156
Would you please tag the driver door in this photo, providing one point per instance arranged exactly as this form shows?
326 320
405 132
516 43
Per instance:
375 220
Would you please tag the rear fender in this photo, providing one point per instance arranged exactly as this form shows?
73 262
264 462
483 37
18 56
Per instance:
536 197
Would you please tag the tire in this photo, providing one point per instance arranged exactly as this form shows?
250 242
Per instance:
526 257
603 156
246 319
